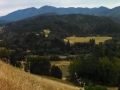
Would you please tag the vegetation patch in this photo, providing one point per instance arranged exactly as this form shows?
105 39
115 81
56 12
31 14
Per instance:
63 65
1 28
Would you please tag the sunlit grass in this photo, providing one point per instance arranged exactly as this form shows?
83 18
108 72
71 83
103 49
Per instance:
74 39
112 88
47 32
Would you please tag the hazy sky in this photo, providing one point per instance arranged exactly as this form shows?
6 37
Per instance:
7 6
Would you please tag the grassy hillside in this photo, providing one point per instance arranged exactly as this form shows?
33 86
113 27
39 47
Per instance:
12 78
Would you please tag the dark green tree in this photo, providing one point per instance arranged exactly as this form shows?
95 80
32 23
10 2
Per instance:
90 87
56 72
96 87
39 65
109 72
119 87
75 65
5 53
99 87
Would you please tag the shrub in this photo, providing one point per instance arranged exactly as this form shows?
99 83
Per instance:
38 65
97 87
56 72
119 87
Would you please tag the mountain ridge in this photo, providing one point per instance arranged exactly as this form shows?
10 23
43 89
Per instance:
32 11
29 12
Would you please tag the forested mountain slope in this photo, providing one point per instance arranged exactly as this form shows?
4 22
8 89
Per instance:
66 25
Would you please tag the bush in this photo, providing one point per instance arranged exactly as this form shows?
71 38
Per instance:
119 87
90 87
97 87
39 65
56 72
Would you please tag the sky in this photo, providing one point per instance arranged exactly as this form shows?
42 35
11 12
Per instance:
8 6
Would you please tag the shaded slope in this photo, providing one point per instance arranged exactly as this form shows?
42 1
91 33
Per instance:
66 25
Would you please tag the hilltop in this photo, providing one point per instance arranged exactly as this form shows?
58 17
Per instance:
12 78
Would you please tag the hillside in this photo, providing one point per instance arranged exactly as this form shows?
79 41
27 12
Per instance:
12 78
3 22
66 25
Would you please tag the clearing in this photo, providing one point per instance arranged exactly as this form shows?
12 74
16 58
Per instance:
74 39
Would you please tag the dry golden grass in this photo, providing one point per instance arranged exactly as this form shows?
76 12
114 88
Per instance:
112 88
74 39
58 63
47 32
12 78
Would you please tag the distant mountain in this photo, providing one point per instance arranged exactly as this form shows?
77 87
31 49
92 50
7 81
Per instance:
29 12
72 10
115 12
3 22
20 14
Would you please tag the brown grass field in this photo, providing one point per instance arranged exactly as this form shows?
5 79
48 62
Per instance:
112 88
74 39
12 78
58 63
